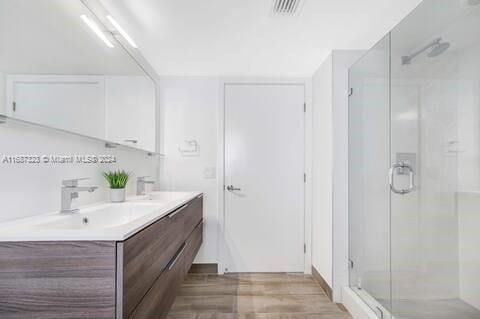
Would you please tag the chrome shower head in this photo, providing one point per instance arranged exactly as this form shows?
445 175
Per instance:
438 49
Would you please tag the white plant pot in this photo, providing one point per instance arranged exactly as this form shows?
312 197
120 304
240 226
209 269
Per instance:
117 195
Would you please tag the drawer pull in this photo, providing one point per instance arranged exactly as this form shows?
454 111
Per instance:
177 211
174 261
200 196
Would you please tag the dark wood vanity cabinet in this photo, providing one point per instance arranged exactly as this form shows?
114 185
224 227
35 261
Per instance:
135 278
158 300
151 264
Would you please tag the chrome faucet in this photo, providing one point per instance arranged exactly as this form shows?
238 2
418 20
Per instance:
141 184
70 190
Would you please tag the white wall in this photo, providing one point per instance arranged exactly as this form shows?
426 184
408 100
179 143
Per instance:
322 97
29 189
189 109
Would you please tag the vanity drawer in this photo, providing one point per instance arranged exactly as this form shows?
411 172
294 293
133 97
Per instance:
156 304
193 215
193 244
144 256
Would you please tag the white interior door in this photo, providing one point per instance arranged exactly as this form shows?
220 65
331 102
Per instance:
264 159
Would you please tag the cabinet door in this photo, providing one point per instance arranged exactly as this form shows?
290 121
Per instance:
156 304
57 279
193 215
144 256
193 244
130 111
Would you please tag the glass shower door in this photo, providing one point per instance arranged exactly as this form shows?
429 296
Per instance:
414 166
435 145
369 193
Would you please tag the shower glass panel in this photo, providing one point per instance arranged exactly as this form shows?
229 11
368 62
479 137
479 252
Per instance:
369 159
414 166
435 131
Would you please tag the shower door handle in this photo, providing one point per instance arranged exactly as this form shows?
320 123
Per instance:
411 185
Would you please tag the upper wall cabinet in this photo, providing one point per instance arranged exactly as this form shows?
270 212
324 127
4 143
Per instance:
63 67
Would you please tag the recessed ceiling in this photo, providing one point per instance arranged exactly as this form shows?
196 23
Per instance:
244 38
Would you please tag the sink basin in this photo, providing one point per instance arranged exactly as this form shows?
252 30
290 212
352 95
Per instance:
165 196
105 216
97 222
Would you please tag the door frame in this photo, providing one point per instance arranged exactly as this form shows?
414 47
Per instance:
307 84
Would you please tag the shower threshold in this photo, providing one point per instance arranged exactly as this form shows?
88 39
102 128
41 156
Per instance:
438 309
419 308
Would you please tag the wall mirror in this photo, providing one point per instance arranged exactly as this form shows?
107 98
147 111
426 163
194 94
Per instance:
61 67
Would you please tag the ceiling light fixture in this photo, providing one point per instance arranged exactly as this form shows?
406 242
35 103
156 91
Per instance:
97 30
121 31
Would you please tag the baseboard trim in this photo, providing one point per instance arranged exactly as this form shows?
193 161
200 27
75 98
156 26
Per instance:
204 269
319 279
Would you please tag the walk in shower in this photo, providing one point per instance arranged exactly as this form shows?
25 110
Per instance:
414 166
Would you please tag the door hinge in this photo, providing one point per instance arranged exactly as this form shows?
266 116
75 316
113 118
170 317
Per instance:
304 248
350 264
14 106
304 107
350 92
381 312
304 177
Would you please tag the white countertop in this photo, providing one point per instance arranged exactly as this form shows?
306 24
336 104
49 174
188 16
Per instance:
102 221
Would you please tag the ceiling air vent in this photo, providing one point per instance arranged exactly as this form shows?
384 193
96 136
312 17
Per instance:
286 7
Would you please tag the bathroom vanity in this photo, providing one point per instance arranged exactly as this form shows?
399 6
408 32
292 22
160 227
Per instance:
91 265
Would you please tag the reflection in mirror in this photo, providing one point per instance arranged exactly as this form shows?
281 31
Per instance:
61 67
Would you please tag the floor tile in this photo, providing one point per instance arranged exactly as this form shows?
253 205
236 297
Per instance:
305 288
194 279
253 296
203 304
208 290
249 278
298 277
283 303
259 316
246 289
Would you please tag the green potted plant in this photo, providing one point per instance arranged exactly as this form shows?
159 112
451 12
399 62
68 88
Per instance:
117 180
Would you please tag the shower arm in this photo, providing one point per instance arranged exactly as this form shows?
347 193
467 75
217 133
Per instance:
408 58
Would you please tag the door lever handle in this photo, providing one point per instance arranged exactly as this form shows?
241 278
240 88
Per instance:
231 188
